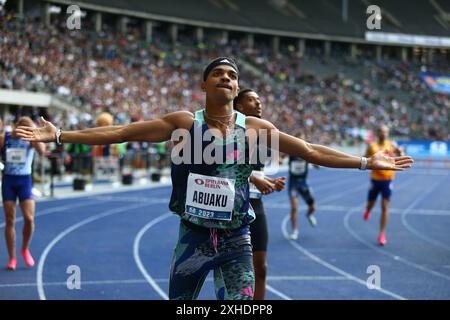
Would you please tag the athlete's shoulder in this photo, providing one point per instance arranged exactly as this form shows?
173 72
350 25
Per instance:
392 143
257 123
183 114
180 119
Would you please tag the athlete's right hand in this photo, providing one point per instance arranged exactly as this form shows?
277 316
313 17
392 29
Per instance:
279 183
46 133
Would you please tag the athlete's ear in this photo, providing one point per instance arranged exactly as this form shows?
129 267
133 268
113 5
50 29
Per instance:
203 86
237 91
239 107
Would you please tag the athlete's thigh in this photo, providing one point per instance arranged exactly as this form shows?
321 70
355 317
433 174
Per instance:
374 190
9 190
303 190
235 279
258 228
386 191
190 265
25 189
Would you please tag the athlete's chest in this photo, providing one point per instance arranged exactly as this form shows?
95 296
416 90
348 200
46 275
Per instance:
377 147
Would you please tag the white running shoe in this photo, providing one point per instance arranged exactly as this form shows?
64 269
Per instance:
294 235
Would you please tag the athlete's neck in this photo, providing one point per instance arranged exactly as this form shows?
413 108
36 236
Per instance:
219 110
381 141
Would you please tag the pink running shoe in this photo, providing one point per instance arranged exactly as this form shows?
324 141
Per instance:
29 261
12 264
366 215
382 239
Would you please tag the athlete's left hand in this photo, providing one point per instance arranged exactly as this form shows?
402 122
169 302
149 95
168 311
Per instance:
382 161
46 133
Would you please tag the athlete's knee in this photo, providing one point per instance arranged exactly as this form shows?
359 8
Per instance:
294 204
28 219
10 221
10 218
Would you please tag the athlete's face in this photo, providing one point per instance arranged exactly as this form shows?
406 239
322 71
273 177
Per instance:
250 105
222 83
24 122
383 133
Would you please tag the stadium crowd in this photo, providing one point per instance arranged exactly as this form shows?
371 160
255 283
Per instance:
135 80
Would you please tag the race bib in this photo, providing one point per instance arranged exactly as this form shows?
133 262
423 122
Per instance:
16 155
298 167
254 192
210 197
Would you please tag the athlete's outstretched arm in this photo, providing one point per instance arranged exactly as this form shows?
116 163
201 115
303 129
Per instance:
153 131
324 156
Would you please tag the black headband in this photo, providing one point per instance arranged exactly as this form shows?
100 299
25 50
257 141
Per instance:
217 62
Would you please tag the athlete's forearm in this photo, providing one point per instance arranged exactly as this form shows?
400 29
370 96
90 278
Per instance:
93 136
152 131
317 154
333 158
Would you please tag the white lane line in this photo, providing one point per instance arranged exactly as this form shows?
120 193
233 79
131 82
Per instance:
150 279
384 252
415 231
339 209
106 191
65 232
323 185
278 293
137 258
132 199
331 266
54 210
166 280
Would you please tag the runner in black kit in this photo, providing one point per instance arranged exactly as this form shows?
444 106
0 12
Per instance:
248 103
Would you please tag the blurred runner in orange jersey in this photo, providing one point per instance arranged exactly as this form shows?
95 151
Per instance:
104 119
381 180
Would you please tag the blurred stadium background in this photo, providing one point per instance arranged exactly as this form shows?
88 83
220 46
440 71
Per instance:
315 63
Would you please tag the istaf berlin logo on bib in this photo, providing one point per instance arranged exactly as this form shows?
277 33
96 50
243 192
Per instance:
210 197
16 155
298 167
